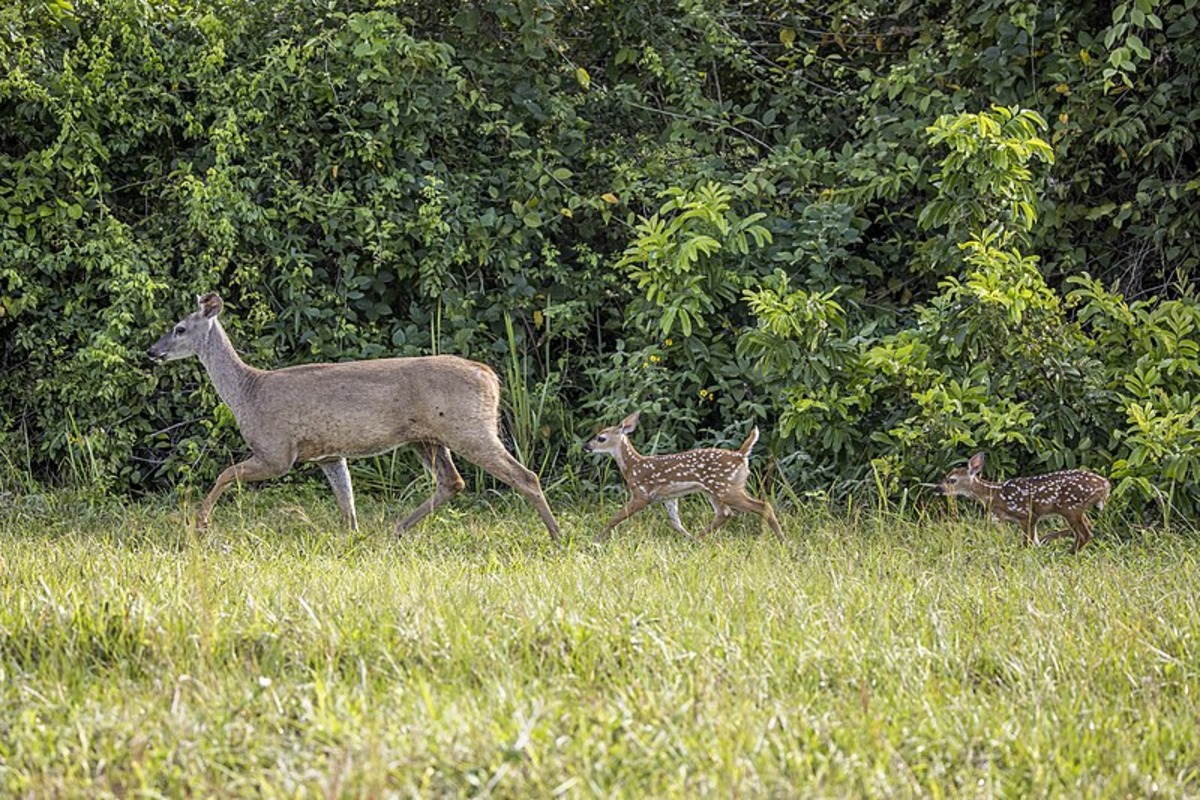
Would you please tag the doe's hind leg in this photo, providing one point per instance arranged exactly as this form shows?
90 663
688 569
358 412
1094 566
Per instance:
448 482
491 455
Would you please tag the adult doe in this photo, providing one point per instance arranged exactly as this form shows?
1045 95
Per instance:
719 474
1025 501
330 412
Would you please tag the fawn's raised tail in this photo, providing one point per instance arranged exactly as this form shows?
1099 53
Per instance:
748 445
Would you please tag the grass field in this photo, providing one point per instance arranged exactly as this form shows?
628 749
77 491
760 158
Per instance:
279 656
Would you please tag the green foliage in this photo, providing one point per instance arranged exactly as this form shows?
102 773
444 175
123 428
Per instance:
534 407
615 182
1130 22
993 362
1151 371
985 180
801 341
676 257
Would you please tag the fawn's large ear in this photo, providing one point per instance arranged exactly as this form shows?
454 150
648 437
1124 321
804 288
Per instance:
975 465
210 304
630 422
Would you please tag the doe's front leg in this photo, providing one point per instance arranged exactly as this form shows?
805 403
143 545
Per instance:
338 475
253 468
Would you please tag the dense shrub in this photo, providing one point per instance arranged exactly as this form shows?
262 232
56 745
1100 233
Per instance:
997 360
711 210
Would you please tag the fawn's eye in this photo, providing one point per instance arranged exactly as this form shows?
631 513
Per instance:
601 438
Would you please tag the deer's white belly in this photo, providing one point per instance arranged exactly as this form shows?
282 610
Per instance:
669 490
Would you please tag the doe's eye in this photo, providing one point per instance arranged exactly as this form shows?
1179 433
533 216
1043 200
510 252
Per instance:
180 330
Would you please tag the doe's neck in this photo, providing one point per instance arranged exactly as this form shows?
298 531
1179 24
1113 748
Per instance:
230 375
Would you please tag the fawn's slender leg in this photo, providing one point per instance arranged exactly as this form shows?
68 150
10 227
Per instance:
745 502
1058 534
632 507
448 482
1029 528
1081 529
773 521
338 475
252 469
1087 523
672 506
721 514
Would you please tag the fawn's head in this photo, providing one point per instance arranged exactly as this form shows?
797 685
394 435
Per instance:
961 480
188 335
609 440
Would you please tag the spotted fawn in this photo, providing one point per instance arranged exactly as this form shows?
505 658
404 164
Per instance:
719 474
1025 501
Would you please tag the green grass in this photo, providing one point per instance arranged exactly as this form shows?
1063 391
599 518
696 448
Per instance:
279 656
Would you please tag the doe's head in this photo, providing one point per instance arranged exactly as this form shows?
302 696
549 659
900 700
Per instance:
609 440
961 480
188 335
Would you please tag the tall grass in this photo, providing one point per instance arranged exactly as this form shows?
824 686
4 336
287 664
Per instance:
16 470
529 405
280 656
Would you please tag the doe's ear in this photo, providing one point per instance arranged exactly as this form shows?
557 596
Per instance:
975 465
630 422
210 304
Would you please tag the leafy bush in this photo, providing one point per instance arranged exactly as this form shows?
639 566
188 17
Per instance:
569 190
993 362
